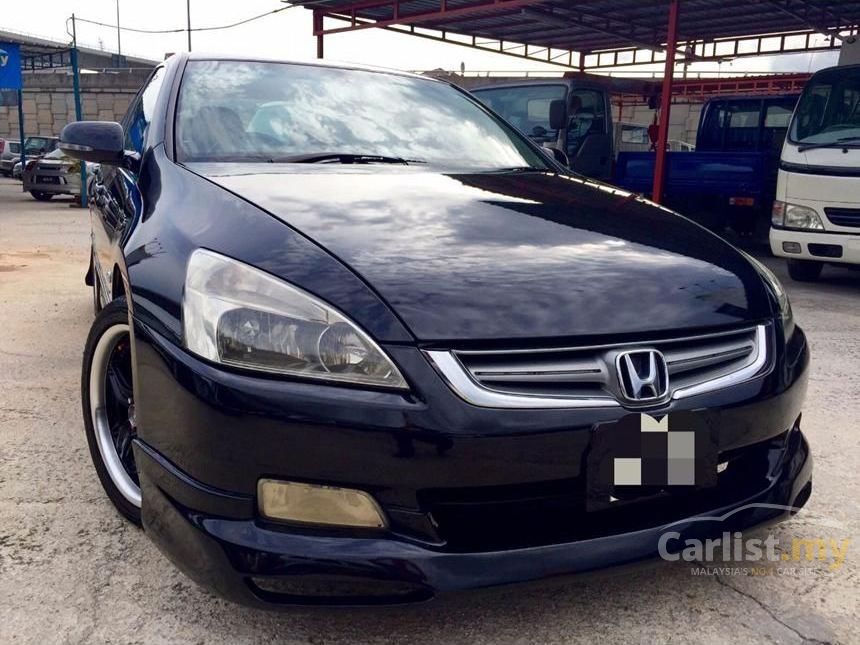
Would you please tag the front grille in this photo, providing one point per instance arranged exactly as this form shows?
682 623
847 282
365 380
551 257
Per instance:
844 216
590 373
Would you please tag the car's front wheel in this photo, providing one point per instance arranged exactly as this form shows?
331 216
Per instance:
805 270
108 407
42 197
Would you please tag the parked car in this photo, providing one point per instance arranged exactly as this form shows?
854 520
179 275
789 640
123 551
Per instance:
56 173
16 171
10 154
378 345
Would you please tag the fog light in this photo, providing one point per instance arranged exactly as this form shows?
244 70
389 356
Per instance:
318 505
791 247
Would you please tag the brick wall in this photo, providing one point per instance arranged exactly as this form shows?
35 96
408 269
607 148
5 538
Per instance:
49 102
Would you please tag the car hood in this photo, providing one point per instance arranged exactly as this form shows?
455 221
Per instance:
508 255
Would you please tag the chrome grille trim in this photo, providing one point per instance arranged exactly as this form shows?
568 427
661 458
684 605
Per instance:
458 378
697 364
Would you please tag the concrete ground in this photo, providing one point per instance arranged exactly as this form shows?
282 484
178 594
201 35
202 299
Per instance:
71 571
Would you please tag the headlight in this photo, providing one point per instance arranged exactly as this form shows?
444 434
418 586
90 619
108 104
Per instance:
237 315
795 216
779 294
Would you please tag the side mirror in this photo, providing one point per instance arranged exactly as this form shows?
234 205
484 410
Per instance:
96 141
558 155
558 114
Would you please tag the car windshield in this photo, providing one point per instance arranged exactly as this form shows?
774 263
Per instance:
829 110
525 106
37 145
282 112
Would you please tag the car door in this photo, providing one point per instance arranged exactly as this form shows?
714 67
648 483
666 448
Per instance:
115 197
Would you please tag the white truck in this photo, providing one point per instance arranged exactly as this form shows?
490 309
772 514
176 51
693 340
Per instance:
816 215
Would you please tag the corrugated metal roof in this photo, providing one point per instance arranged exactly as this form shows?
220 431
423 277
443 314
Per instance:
601 25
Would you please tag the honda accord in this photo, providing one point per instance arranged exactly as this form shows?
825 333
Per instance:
358 340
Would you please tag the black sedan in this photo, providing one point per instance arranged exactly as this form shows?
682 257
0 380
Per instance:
359 341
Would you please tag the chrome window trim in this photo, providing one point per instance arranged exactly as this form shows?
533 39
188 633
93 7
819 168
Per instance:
458 378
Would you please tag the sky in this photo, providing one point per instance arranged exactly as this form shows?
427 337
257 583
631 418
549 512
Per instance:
288 35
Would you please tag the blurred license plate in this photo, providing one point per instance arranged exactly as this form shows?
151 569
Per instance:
42 179
641 456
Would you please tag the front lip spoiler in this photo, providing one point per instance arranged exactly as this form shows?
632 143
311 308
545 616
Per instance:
228 555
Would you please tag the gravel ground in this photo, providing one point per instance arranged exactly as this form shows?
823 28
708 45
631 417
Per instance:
71 571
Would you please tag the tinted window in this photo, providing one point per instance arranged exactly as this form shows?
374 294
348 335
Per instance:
253 111
15 148
139 115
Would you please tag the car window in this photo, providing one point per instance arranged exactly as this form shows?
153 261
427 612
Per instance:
39 145
15 148
587 111
777 116
257 111
525 106
139 114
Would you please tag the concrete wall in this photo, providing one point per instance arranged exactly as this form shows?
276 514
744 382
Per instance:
49 102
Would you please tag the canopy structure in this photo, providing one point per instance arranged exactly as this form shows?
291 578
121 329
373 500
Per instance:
594 35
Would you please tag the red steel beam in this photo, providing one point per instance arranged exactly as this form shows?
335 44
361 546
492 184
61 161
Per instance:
415 18
665 104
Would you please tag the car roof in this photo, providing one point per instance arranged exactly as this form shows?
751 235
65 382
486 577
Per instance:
203 56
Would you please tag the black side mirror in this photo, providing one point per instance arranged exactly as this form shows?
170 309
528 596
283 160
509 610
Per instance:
558 114
96 141
558 155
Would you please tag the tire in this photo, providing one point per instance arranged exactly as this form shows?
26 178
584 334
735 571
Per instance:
805 270
40 196
108 420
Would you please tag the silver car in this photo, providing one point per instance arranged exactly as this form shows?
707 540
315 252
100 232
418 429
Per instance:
53 174
10 154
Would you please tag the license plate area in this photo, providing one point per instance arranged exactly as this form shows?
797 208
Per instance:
47 179
642 457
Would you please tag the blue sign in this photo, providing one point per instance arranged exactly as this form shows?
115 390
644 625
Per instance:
10 66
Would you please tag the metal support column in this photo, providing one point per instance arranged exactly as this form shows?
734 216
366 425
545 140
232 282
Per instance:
318 31
79 116
665 103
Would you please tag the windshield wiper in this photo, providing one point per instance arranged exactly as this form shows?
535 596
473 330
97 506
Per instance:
345 158
831 144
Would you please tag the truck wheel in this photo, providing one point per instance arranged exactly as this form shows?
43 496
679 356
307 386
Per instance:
804 270
42 197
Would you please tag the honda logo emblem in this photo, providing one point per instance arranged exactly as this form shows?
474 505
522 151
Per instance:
642 375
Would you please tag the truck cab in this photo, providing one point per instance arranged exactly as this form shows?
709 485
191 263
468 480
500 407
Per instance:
816 215
568 115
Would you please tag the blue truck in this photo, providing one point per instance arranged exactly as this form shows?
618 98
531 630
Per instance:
730 179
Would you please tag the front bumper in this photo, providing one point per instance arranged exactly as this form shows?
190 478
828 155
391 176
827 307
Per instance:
474 497
820 246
